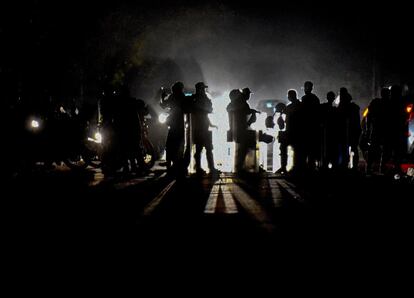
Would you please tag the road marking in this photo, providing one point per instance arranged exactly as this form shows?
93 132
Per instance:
136 181
212 199
161 176
289 187
131 182
253 208
157 200
276 193
98 177
212 206
229 203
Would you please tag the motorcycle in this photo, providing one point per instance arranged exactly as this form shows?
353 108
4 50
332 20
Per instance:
60 138
148 150
105 142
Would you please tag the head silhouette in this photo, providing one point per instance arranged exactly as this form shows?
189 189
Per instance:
200 87
235 94
247 93
344 96
177 88
396 92
280 107
385 93
292 95
308 87
330 97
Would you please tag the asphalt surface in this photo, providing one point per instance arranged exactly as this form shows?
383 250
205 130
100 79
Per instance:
64 217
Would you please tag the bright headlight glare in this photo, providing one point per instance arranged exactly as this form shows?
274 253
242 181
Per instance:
162 118
34 124
98 137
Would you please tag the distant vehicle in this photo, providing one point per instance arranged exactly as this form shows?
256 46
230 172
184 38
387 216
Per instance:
268 106
409 158
410 111
269 152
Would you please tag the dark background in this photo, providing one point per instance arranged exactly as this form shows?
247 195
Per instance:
69 49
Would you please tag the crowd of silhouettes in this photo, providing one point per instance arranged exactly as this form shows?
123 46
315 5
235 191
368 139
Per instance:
330 136
188 124
122 119
386 129
326 135
322 135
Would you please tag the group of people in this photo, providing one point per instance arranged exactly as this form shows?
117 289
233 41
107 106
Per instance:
241 116
188 124
329 135
386 129
122 118
321 135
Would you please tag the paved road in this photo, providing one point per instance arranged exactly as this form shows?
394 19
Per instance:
254 217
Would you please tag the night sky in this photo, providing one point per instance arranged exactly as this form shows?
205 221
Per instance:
70 48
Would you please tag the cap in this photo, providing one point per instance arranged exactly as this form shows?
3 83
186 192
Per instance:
247 90
200 85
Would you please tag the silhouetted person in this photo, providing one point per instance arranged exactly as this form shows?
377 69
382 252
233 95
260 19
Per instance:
376 130
397 121
109 110
188 106
282 138
142 111
329 121
246 95
241 116
128 128
235 120
294 130
311 128
349 130
175 139
202 137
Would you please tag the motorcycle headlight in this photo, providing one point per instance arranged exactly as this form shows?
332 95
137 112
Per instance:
162 118
34 124
98 137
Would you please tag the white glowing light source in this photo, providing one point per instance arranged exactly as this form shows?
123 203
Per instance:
260 123
337 100
291 155
98 137
223 151
330 165
351 158
35 124
162 118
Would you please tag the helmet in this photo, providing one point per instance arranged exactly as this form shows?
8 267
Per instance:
247 91
234 94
